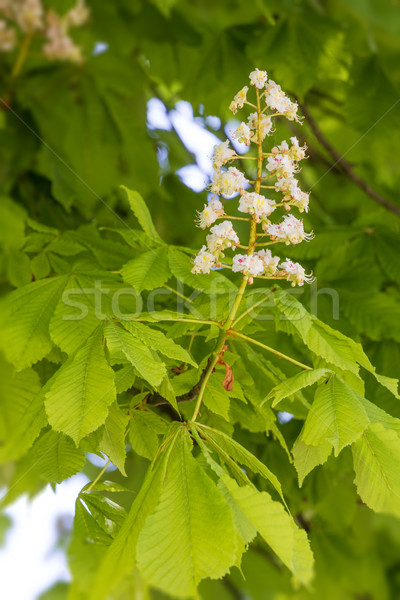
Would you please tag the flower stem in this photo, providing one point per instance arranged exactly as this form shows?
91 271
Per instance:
22 56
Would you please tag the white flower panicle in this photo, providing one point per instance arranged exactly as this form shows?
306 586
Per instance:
22 17
275 170
228 182
257 205
239 100
295 273
222 236
222 154
203 262
210 213
290 231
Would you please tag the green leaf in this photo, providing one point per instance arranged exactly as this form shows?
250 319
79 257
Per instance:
75 317
216 398
157 340
145 427
376 457
142 214
294 384
40 265
56 458
307 457
148 365
337 416
19 268
191 534
148 270
113 440
276 527
83 389
26 317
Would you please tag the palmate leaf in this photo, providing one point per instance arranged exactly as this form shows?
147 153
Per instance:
216 398
25 323
276 527
148 270
191 534
82 390
121 555
331 345
376 457
147 363
337 415
144 429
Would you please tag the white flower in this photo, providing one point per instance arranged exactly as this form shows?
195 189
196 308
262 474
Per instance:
243 134
296 273
265 125
222 236
282 148
289 187
203 262
228 182
78 15
222 153
290 231
270 262
210 213
256 204
239 100
59 45
258 78
7 37
250 265
296 151
29 14
282 165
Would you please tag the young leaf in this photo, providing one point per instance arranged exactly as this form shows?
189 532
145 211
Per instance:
113 440
191 534
148 365
82 390
148 270
337 416
142 214
376 457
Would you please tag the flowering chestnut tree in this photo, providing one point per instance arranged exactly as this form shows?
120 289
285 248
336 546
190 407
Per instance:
158 358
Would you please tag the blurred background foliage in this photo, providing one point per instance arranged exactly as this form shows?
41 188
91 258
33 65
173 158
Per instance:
71 134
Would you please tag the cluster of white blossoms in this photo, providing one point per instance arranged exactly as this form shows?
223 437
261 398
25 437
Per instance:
28 17
275 171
